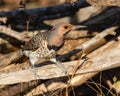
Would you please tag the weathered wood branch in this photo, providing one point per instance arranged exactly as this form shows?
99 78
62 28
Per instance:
90 45
97 38
57 84
11 57
24 36
101 3
18 88
15 38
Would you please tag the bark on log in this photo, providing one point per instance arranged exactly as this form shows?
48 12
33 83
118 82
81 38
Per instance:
11 57
18 88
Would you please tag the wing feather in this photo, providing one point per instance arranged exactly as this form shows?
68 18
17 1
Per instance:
35 42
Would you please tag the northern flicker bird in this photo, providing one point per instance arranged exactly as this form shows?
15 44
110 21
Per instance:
45 44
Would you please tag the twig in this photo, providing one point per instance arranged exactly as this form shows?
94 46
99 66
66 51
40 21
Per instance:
77 65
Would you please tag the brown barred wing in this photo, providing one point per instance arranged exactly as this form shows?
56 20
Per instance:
35 42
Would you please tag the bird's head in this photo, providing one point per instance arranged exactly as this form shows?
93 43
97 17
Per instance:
57 33
61 29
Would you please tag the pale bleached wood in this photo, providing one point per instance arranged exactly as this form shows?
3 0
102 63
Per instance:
90 45
9 58
8 31
17 88
98 37
24 36
58 84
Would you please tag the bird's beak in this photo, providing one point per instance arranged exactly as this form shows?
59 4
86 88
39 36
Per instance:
78 27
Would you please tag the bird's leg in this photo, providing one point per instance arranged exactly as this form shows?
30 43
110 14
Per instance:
59 65
32 61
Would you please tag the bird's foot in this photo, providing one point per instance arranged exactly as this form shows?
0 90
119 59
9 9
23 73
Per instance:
62 68
85 58
66 73
57 62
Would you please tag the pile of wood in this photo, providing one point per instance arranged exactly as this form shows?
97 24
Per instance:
86 52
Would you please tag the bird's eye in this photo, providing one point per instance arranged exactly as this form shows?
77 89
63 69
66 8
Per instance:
66 27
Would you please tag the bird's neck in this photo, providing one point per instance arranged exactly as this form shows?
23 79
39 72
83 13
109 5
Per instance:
55 39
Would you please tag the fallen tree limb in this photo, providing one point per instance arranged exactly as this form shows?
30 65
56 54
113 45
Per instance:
90 45
47 87
19 36
50 86
97 38
15 38
17 88
11 57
